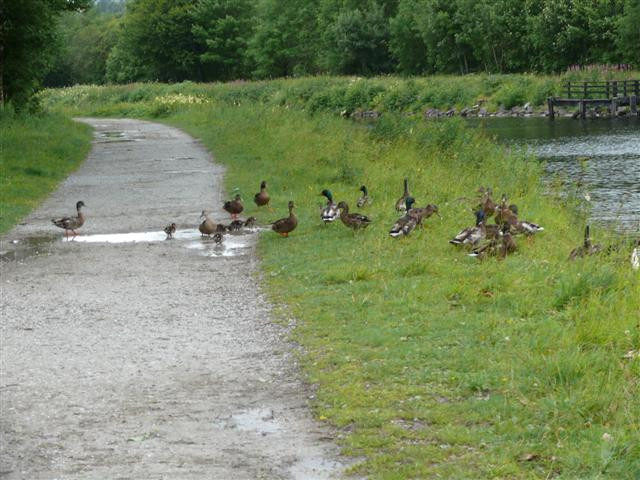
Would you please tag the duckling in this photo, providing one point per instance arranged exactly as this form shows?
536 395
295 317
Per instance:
401 202
234 207
405 224
500 246
235 225
250 222
330 212
207 227
170 230
473 235
522 226
286 225
70 224
587 248
220 228
364 199
218 238
355 221
262 197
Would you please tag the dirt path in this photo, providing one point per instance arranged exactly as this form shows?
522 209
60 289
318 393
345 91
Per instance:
146 360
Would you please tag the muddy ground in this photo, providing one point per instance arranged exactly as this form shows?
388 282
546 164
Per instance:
149 359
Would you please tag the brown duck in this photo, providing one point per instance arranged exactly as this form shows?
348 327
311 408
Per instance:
70 224
234 207
401 203
587 248
262 197
170 230
286 225
207 227
355 221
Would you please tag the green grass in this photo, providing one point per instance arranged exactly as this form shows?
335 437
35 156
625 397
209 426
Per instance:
430 363
37 152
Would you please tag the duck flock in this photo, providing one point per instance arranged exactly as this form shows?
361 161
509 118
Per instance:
482 239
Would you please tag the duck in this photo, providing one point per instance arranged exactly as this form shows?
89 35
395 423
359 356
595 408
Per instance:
221 228
170 230
250 222
523 226
262 198
635 256
330 212
235 225
401 204
355 221
218 238
422 213
473 235
405 224
499 246
487 204
364 199
504 214
286 225
207 227
234 207
587 248
71 224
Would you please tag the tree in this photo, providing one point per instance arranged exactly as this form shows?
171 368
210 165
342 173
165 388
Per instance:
27 44
628 28
223 29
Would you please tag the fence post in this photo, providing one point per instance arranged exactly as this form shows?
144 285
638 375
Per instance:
568 89
615 89
614 106
607 89
584 90
633 104
583 109
550 105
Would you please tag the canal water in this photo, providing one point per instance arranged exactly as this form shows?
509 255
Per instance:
600 157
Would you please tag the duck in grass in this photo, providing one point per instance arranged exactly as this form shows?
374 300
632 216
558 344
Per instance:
364 199
71 224
487 204
635 256
329 212
405 224
355 221
522 226
262 198
286 225
234 207
473 235
207 227
587 248
170 230
499 246
422 213
401 204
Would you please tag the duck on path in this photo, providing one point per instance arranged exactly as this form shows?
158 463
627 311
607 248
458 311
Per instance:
71 224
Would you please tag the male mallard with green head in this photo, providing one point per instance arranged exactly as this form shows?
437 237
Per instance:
330 212
401 203
207 227
355 221
473 235
405 224
234 207
364 199
70 224
286 225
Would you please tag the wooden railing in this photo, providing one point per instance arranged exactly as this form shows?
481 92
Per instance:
603 89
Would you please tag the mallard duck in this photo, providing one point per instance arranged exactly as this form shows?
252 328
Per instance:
401 204
356 221
286 225
262 197
364 199
70 224
218 238
487 204
330 212
499 246
234 207
422 213
504 214
207 227
473 235
250 222
405 224
635 256
587 248
170 230
523 226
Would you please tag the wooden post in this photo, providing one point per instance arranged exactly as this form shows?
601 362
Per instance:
633 104
568 89
550 105
607 89
615 89
584 90
583 109
614 106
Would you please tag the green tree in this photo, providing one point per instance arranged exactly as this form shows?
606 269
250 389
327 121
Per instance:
628 29
27 44
406 43
223 29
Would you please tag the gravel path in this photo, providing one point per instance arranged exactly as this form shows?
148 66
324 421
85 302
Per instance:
150 359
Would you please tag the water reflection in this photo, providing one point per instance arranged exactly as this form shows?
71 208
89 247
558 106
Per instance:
600 156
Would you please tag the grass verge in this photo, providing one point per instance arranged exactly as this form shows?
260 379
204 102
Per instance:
36 154
434 364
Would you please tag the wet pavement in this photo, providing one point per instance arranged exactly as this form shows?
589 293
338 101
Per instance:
129 355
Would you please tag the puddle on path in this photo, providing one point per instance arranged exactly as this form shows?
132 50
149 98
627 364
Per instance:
16 250
260 420
315 468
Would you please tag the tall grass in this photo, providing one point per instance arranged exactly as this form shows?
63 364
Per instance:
431 363
37 152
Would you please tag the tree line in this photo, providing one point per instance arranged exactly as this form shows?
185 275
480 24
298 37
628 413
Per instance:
111 41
